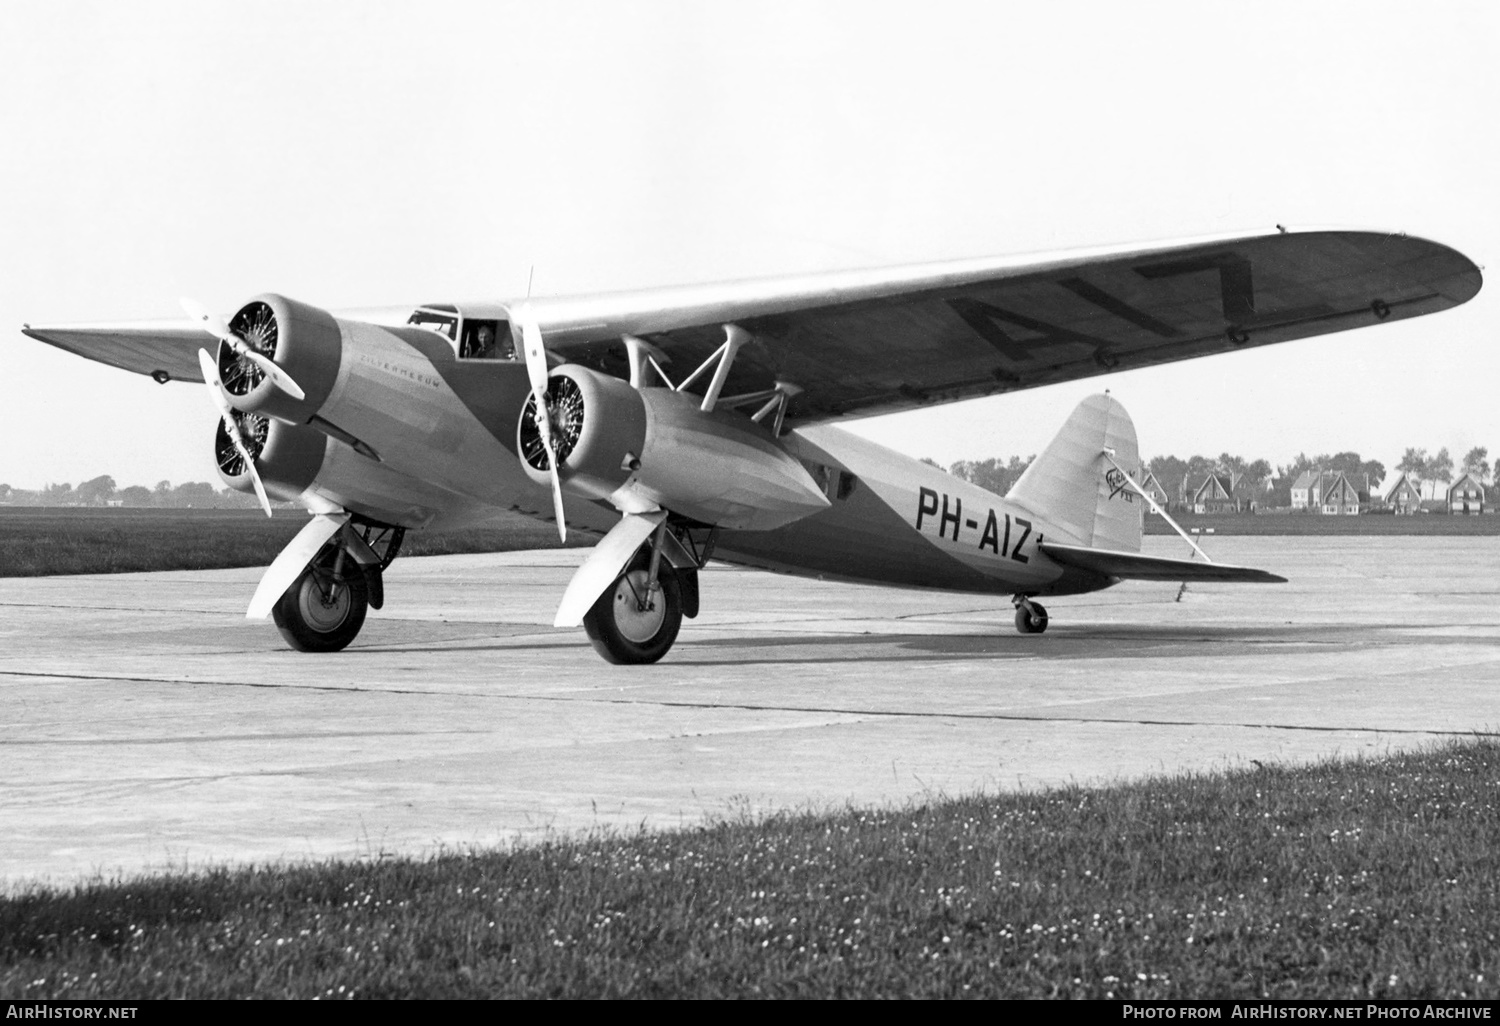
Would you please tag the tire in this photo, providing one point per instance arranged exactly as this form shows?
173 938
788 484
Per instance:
1034 622
626 636
310 622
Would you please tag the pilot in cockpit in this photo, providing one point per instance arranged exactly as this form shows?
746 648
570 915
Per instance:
480 343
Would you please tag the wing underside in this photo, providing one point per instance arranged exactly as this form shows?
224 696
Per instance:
1136 567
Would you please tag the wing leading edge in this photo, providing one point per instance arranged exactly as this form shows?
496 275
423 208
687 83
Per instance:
1136 567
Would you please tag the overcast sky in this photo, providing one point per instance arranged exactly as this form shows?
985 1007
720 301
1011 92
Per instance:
357 154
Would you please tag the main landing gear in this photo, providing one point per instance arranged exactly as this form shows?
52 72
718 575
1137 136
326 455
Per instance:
1031 617
325 607
637 618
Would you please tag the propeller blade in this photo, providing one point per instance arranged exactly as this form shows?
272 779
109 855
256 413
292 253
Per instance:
536 369
215 386
534 349
557 505
231 427
212 323
219 328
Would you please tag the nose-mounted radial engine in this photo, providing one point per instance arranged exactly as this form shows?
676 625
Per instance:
670 462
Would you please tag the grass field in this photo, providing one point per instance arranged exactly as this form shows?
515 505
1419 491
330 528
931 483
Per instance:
1345 880
40 541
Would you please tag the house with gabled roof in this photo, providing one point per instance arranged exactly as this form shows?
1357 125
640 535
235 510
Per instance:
1405 496
1330 492
1152 487
1340 497
1466 495
1215 494
1307 490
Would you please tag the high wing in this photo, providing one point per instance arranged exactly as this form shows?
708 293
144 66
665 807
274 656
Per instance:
860 343
1136 567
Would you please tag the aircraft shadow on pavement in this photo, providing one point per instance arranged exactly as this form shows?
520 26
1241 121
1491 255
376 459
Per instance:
1076 643
1065 643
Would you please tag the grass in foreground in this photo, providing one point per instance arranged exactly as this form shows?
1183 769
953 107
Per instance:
38 542
1358 880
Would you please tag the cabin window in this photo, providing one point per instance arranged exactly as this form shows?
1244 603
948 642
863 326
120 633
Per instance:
847 483
486 340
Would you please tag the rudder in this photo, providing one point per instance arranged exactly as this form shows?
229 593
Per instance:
1073 487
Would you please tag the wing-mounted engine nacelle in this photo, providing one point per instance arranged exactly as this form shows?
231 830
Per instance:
288 457
303 340
641 448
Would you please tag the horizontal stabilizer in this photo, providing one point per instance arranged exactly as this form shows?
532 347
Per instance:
1136 567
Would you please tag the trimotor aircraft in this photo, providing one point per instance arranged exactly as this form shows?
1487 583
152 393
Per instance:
695 422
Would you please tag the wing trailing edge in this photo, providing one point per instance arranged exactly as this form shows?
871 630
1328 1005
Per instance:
1136 567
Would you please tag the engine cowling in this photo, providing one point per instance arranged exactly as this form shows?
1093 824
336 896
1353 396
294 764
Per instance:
641 448
304 341
288 457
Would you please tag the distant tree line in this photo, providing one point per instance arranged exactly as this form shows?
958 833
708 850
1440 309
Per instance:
101 491
1252 480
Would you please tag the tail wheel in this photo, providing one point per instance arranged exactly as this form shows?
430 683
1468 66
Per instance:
322 611
1031 618
632 622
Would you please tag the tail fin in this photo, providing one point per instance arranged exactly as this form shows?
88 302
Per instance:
1072 486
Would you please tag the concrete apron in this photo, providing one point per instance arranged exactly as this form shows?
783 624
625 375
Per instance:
149 726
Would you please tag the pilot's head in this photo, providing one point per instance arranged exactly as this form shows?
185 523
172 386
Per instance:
486 335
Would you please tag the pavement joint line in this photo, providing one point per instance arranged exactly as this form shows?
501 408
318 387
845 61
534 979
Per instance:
116 609
821 710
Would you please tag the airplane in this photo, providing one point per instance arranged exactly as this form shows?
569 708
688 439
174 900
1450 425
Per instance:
689 423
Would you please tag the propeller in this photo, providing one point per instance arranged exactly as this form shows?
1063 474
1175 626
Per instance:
220 329
216 396
536 369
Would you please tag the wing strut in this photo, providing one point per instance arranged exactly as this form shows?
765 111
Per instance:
1109 454
734 337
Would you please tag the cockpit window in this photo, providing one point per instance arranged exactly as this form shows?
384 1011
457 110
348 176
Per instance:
486 340
436 320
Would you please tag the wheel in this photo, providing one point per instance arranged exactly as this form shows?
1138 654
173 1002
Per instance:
319 614
623 632
1032 620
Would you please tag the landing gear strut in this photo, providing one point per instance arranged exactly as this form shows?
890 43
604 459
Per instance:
325 607
1031 617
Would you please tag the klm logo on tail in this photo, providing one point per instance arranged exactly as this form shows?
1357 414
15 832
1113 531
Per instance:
1118 486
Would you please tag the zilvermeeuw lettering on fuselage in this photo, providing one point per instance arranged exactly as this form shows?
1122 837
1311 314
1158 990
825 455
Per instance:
699 422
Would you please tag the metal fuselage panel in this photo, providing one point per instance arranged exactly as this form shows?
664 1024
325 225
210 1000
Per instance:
903 522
